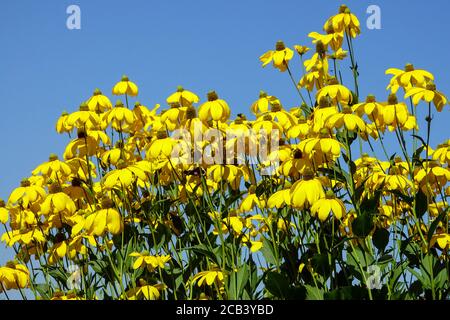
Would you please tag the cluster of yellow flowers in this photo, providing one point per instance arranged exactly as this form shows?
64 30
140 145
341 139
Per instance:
123 169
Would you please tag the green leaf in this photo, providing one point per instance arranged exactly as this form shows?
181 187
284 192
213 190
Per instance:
314 293
268 251
380 238
362 225
421 203
277 284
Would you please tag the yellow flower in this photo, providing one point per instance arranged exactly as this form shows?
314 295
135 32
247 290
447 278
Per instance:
209 277
162 146
27 194
337 92
339 54
84 118
307 191
323 207
182 97
344 21
53 169
442 153
123 176
57 202
252 200
395 113
125 86
62 125
98 102
346 118
371 108
279 199
408 78
104 220
4 214
119 117
301 50
146 291
333 39
83 145
428 94
442 239
262 104
324 144
215 109
280 56
14 276
145 260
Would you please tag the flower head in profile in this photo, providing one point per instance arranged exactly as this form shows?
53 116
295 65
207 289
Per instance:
279 57
215 109
125 86
408 78
428 94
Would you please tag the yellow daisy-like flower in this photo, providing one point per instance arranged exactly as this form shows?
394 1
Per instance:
251 201
62 125
145 260
428 94
322 208
14 276
345 118
279 199
442 153
27 194
370 107
301 50
337 92
4 214
53 169
344 21
123 176
57 202
304 193
209 277
119 117
262 104
84 118
104 220
125 86
442 239
182 97
324 144
395 113
408 78
279 57
98 102
215 109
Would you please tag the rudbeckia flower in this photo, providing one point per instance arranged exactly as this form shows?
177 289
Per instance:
262 104
145 291
442 153
119 117
337 92
408 78
395 113
62 125
123 176
251 200
280 56
322 208
162 146
98 102
81 146
442 239
173 117
104 220
215 109
4 214
370 107
14 276
182 97
333 39
304 193
84 118
428 94
301 50
344 21
27 194
279 199
125 86
209 277
345 118
145 260
431 177
53 169
324 144
57 202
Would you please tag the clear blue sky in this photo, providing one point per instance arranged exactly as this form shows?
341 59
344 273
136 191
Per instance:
202 45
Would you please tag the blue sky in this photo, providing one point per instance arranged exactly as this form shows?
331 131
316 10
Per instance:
202 45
